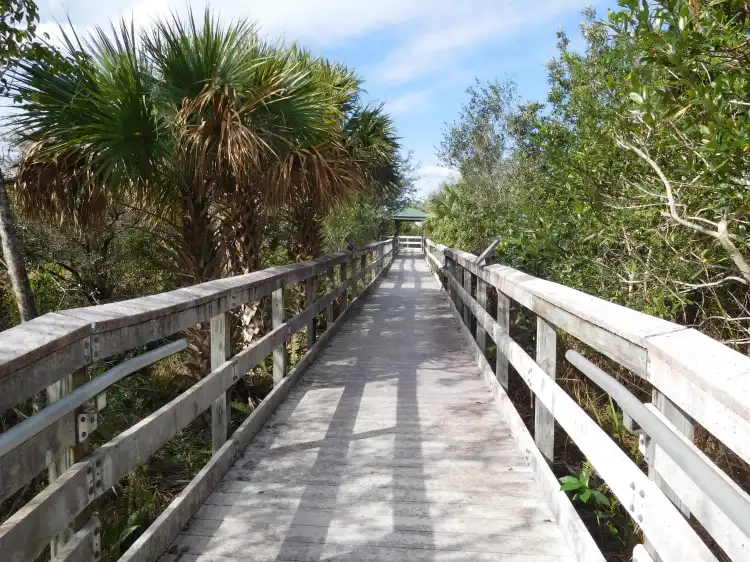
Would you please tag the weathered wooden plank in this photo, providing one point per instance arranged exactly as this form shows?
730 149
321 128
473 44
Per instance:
640 554
546 358
467 285
38 353
321 410
69 457
27 532
531 539
42 351
629 324
503 320
311 290
221 350
722 421
482 299
29 459
661 522
735 543
168 525
330 284
277 319
717 370
685 426
573 529
26 343
85 546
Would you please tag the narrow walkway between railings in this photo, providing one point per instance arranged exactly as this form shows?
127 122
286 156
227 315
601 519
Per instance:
388 449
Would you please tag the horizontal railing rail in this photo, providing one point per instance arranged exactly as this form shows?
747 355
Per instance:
412 242
695 380
48 350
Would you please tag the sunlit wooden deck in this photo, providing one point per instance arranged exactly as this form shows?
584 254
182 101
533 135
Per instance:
390 448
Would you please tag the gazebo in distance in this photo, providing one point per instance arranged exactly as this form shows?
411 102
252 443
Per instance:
409 214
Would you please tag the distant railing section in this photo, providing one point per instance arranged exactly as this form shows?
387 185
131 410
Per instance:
413 242
44 352
696 380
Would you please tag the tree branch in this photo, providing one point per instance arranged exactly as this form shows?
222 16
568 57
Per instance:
721 234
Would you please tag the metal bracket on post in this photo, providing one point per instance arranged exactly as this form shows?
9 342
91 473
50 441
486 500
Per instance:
87 420
484 256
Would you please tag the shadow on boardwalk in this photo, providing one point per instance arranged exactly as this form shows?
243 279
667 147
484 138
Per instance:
388 449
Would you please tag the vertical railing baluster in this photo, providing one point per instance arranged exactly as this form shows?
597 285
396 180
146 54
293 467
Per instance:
503 318
482 300
67 458
468 316
331 285
362 267
277 319
345 283
353 281
221 350
546 358
311 290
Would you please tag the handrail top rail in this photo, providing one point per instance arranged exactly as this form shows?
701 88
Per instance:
62 342
708 364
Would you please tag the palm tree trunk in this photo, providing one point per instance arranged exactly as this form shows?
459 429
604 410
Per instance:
14 258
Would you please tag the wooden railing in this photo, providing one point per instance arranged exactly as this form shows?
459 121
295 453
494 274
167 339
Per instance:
52 351
414 242
695 380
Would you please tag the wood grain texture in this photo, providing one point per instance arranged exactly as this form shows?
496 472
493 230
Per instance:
661 522
221 350
546 358
168 525
503 320
40 352
277 319
35 454
573 529
482 300
389 448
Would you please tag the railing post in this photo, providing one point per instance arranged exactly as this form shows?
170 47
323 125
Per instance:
467 310
221 350
482 300
503 318
362 267
450 267
345 282
331 282
546 358
69 457
311 290
277 319
353 284
684 425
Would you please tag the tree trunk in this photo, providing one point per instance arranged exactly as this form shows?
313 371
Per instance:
14 258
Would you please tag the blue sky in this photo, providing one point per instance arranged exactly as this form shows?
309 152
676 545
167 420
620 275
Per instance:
416 56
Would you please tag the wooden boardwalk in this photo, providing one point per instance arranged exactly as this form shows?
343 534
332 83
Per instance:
388 449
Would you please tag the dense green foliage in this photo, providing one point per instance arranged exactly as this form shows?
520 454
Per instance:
631 181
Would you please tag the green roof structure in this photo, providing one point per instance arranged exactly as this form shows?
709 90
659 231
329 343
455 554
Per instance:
410 214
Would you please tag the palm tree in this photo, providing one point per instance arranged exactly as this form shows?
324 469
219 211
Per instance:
175 122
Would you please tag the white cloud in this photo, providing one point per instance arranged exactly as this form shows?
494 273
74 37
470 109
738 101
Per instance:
443 42
409 102
429 178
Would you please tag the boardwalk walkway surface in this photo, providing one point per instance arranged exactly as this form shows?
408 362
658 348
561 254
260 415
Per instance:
389 449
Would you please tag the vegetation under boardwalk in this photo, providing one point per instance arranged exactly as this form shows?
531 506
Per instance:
389 448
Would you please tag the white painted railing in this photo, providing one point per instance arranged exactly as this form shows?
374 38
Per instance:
695 380
410 242
44 352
